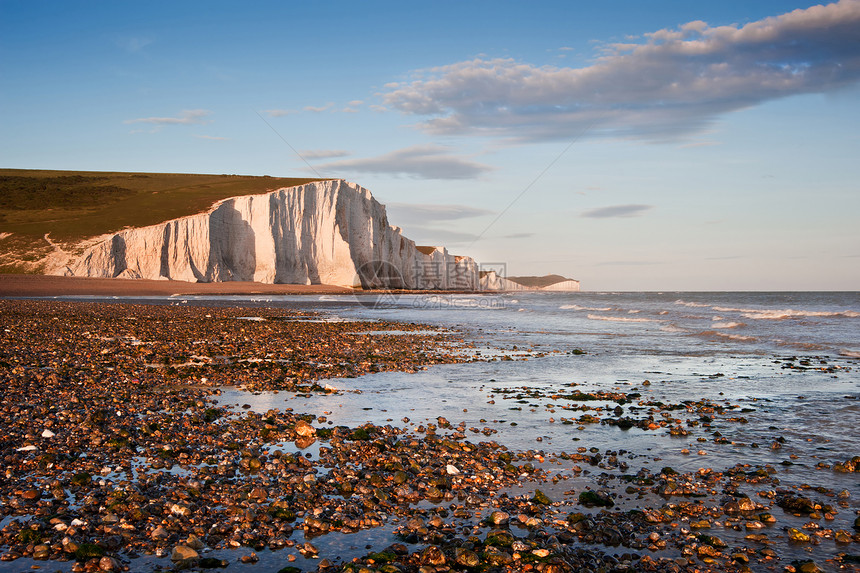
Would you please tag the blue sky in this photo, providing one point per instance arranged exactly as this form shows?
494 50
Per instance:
631 145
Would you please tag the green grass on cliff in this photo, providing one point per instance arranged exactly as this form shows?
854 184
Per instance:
76 205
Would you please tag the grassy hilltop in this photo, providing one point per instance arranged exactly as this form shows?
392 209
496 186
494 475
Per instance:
73 206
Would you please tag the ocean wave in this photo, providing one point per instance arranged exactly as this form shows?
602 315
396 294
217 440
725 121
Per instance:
790 313
781 314
738 337
718 324
800 345
849 353
673 328
692 304
577 307
622 318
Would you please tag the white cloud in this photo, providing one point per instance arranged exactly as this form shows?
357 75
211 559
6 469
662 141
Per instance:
617 211
278 112
407 213
693 144
667 85
420 161
323 153
319 109
187 117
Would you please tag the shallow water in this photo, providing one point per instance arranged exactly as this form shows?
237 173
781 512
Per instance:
784 363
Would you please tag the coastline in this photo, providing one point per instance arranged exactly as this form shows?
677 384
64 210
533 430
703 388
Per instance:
13 286
46 286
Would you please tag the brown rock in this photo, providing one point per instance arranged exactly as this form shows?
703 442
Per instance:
109 564
183 553
304 429
433 556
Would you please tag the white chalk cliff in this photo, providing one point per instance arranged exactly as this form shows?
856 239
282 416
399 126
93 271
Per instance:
326 232
492 281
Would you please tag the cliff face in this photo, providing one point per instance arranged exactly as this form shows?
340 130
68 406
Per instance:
569 285
493 282
326 232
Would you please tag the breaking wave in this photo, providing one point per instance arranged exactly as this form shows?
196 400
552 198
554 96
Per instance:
621 318
719 324
756 314
692 304
577 307
738 337
800 345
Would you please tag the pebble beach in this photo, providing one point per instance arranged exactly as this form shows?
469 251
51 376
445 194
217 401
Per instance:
122 452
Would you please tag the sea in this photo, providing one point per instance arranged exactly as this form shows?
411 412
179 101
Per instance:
792 358
760 379
770 382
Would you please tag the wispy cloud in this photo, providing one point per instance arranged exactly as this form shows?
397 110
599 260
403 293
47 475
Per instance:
420 161
352 107
187 117
699 144
323 153
518 236
278 112
319 109
617 211
422 214
667 85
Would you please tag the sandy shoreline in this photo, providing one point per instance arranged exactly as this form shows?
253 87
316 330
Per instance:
43 285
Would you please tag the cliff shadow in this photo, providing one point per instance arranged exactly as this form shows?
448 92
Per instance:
118 255
291 263
164 270
232 246
309 236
